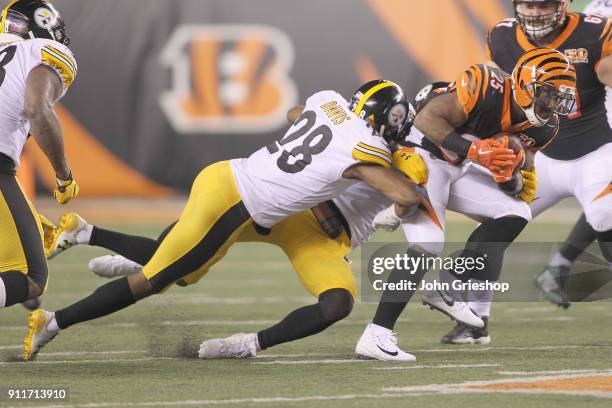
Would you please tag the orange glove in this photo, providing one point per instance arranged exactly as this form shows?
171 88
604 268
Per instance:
495 156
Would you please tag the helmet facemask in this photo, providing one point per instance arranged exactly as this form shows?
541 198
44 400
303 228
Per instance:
538 27
549 103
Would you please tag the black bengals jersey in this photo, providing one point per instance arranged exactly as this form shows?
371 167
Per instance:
585 40
485 93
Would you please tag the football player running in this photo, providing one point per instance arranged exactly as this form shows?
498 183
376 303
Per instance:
454 125
576 163
36 70
329 148
551 280
316 241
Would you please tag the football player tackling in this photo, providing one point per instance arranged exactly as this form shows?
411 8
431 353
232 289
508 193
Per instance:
36 70
316 241
329 148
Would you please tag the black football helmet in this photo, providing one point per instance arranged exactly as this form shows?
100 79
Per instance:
384 105
33 19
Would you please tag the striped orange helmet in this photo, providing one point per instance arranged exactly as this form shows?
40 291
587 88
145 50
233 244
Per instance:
544 86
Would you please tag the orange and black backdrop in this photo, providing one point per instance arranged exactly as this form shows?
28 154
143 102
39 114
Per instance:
166 87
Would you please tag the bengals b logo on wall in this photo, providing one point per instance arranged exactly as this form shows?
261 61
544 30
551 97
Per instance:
228 79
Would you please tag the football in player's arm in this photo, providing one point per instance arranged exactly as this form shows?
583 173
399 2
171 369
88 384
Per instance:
576 162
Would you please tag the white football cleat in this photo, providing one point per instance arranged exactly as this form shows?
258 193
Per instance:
454 308
380 345
72 230
39 333
239 345
111 266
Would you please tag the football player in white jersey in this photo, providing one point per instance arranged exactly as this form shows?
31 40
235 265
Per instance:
551 281
316 241
330 147
36 70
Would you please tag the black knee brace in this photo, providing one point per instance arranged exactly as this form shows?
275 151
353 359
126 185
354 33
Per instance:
335 304
492 238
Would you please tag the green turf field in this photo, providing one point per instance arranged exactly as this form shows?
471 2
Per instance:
539 357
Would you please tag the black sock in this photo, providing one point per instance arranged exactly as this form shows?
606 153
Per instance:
135 248
579 239
107 299
605 244
17 287
393 303
334 305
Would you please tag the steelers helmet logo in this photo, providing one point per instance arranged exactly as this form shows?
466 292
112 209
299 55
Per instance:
397 115
44 17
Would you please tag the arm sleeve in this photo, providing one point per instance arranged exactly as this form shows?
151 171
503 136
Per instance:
57 57
469 86
373 151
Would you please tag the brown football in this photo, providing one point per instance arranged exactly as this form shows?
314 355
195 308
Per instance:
514 186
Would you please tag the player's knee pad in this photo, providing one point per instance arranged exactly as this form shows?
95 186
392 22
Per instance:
599 218
14 288
336 304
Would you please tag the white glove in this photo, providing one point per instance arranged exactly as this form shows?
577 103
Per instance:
387 219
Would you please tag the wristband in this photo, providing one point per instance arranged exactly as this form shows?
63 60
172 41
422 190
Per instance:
455 143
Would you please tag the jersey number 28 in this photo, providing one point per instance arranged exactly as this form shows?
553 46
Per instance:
321 136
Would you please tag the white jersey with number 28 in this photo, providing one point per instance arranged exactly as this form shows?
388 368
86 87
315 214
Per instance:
305 168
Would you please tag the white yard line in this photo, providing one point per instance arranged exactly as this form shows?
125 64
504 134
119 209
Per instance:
301 362
477 349
544 319
93 353
555 372
106 361
270 400
466 386
414 367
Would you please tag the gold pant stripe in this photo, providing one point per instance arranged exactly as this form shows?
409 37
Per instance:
318 260
211 220
21 245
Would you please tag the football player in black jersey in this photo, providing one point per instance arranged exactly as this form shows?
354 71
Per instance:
575 164
453 125
551 280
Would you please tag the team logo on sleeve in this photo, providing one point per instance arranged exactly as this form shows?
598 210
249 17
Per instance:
228 79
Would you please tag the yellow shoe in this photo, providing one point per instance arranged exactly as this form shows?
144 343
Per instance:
72 230
38 333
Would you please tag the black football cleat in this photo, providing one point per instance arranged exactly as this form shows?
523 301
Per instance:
464 334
